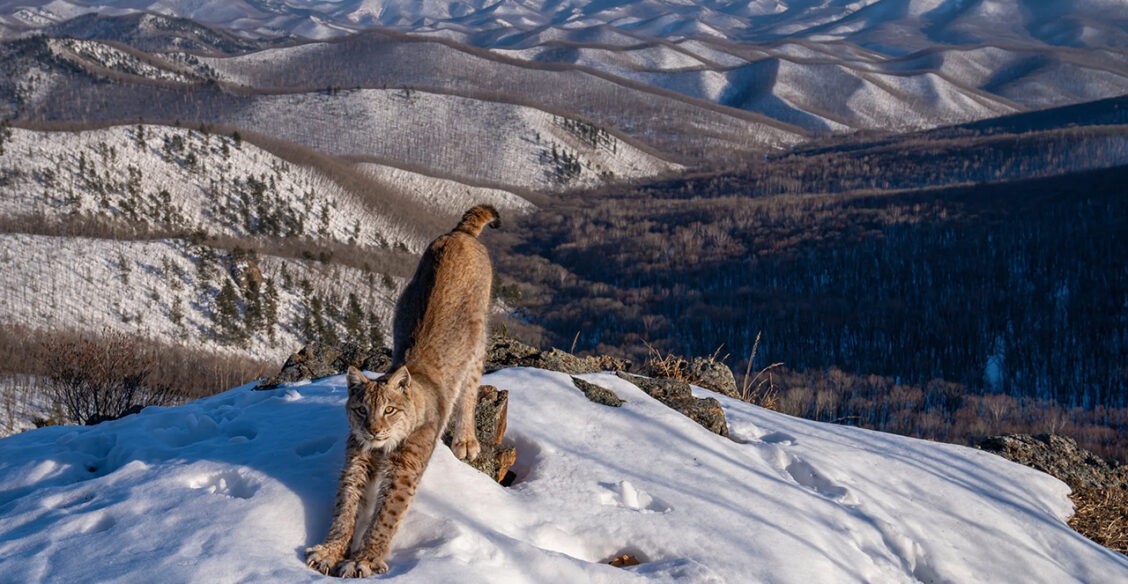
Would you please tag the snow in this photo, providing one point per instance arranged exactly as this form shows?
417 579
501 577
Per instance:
90 285
232 488
470 140
62 173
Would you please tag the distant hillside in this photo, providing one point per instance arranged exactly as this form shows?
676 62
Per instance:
924 261
815 65
209 243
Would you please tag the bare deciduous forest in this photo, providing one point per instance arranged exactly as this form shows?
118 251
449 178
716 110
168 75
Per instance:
948 313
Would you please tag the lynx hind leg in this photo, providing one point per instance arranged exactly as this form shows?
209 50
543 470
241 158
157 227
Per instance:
465 442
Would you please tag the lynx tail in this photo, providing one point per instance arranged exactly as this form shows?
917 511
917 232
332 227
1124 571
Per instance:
477 218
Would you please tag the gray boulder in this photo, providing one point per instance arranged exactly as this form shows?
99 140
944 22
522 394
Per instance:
1058 456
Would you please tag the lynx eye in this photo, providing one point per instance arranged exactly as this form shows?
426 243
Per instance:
388 410
361 410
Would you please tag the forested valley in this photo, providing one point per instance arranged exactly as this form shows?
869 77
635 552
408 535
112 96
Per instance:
900 288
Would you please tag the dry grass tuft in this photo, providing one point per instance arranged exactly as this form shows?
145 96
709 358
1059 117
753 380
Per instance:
669 366
1102 516
760 389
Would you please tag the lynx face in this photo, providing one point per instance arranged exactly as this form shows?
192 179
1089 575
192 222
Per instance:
381 412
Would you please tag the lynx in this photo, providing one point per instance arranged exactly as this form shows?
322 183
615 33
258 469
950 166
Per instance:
395 421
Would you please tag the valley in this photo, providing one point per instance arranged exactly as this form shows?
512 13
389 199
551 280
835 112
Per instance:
907 197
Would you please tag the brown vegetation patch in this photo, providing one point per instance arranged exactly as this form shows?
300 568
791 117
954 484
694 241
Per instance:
624 561
1102 516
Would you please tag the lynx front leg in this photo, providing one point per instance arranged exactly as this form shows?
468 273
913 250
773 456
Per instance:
354 477
405 468
465 442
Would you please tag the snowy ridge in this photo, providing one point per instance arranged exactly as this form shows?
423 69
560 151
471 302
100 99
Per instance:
184 179
905 23
235 486
907 64
157 290
177 191
475 140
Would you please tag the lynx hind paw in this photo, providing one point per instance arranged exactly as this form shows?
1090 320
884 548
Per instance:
322 559
466 449
361 568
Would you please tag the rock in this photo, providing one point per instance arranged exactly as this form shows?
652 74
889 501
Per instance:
489 426
504 352
317 360
564 362
705 372
378 360
491 414
714 375
677 395
597 394
1058 456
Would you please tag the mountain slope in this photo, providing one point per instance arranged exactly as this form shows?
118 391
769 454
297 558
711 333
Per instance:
810 67
210 241
234 487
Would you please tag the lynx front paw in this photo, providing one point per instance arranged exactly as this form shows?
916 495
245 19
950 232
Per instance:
466 449
323 558
361 568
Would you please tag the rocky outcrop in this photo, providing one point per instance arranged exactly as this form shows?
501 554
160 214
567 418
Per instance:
490 418
317 360
1058 456
714 375
597 394
676 394
705 372
504 352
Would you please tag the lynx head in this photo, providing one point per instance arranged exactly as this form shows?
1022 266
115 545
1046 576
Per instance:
381 412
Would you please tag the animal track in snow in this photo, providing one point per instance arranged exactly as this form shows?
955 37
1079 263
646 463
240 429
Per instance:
778 438
99 522
241 431
626 495
805 474
810 477
229 483
67 501
315 446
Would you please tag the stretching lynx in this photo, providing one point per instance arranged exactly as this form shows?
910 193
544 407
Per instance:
440 344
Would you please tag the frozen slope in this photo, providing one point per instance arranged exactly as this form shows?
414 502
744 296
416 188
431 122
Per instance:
234 487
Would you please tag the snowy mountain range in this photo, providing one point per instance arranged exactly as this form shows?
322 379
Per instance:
233 487
815 66
897 24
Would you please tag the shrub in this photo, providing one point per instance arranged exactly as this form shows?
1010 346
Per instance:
94 380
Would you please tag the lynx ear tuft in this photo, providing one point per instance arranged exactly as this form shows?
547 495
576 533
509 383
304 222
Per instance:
400 379
356 378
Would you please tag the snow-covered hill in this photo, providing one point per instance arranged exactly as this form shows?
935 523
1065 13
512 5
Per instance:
169 290
141 229
233 487
812 65
902 23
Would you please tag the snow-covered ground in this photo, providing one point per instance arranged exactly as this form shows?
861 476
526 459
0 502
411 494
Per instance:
232 488
156 289
472 140
182 179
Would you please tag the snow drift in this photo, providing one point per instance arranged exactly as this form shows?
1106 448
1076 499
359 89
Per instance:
232 488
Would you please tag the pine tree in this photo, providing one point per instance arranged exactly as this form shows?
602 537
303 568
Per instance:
375 333
270 308
354 320
227 313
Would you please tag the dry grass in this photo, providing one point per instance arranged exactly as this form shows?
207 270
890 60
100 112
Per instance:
667 365
1102 516
760 389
